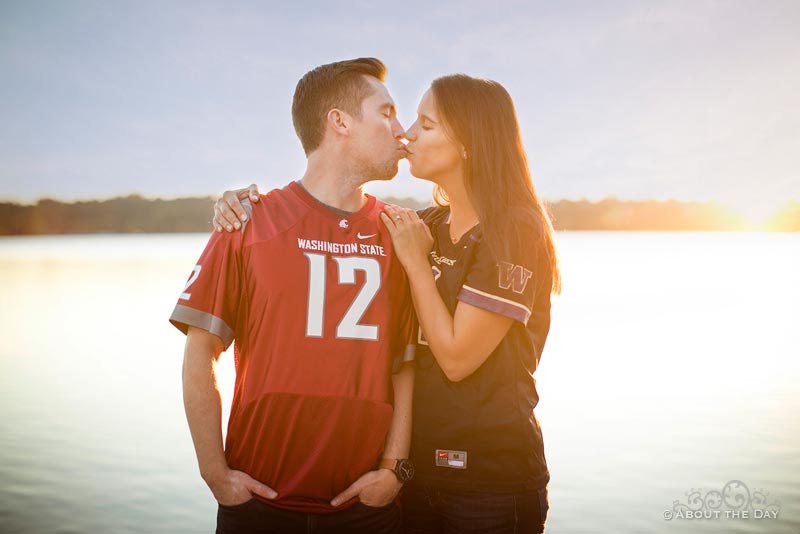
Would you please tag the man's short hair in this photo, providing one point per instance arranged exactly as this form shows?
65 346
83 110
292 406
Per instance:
339 85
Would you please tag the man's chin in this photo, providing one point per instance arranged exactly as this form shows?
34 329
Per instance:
388 174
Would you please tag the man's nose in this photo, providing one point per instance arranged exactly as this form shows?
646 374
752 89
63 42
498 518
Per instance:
399 132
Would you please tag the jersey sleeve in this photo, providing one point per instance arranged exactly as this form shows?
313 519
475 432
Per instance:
506 286
210 299
406 331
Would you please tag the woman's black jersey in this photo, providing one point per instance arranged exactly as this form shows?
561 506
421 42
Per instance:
480 434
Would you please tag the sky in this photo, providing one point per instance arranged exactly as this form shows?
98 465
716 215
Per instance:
691 100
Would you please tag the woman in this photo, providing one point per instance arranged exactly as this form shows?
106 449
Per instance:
484 314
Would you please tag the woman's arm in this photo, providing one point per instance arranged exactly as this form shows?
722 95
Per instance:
460 342
228 210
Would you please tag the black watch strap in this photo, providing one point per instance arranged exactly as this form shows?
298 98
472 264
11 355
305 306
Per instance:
402 468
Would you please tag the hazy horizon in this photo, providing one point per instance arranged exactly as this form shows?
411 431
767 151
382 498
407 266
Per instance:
388 193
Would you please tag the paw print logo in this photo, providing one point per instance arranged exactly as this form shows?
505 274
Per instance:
343 223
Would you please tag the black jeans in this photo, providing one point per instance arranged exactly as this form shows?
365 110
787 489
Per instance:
427 510
254 517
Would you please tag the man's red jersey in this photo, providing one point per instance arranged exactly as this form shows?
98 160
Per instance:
320 310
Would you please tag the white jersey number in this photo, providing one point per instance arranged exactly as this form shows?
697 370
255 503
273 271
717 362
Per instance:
349 327
192 280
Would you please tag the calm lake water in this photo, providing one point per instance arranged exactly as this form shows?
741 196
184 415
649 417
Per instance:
672 367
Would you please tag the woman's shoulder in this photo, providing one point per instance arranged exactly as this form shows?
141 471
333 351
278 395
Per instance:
433 214
524 223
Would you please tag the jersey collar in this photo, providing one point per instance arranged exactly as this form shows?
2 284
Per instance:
319 207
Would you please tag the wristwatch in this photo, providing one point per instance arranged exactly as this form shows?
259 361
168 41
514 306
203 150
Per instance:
403 469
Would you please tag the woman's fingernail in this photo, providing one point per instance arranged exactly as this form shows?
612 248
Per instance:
229 228
243 217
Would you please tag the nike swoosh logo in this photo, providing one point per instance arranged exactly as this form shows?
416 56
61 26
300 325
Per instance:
365 236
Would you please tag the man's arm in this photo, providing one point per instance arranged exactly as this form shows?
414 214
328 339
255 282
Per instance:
203 406
380 487
398 441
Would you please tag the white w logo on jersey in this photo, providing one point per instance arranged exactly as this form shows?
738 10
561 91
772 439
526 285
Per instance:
513 274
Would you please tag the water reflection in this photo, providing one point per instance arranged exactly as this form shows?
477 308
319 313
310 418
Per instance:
672 364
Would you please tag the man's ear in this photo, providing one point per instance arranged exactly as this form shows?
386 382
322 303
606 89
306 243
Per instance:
340 121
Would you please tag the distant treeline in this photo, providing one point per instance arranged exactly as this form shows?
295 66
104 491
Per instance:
135 214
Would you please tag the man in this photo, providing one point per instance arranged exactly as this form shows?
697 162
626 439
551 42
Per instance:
319 308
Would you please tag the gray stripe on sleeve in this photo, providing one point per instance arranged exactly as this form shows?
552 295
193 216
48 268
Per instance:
406 356
184 316
492 305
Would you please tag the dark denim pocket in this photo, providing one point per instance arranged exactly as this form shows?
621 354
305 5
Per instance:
368 507
237 507
237 518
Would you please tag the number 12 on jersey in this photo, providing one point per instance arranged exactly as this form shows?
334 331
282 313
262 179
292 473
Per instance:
349 326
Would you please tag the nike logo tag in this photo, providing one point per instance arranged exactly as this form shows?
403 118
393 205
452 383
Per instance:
365 236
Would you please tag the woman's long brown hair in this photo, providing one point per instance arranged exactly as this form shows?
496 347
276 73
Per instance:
479 114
